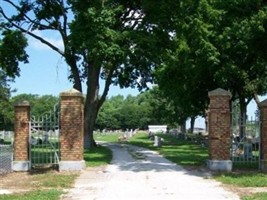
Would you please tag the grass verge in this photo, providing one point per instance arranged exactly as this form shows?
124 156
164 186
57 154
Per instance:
51 194
258 196
243 179
98 156
39 184
185 153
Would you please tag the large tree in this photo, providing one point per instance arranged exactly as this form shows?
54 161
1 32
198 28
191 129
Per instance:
241 43
219 44
12 44
187 73
117 41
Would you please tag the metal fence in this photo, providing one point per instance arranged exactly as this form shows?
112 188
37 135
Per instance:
245 139
6 157
44 139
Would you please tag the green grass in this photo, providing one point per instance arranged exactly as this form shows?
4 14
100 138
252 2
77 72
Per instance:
244 179
182 152
97 156
52 180
107 137
44 185
34 195
257 196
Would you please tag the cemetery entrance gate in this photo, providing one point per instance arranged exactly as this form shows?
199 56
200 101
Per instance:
245 149
44 144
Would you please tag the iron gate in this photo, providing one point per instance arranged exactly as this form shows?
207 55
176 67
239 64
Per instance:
245 149
44 139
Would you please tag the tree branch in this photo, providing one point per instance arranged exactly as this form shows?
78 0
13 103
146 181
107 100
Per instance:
28 18
32 34
106 88
257 100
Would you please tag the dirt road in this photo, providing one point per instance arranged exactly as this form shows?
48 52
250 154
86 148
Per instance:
140 174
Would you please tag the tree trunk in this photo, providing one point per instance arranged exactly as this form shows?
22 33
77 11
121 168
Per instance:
71 61
183 127
257 100
92 104
192 124
89 122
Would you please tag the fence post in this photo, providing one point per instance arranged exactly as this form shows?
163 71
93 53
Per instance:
21 136
219 130
71 131
263 148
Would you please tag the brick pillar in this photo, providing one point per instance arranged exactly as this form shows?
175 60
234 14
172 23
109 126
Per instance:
263 113
71 131
219 126
21 139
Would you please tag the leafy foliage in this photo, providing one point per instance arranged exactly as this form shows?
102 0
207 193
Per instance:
216 44
40 106
148 108
12 51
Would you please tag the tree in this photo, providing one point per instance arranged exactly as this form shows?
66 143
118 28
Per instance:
218 44
5 106
40 105
241 43
187 72
12 45
117 41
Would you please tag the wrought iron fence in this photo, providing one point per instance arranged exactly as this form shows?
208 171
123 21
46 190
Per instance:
245 148
44 139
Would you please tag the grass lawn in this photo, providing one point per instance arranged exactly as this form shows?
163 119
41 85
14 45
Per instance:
107 137
182 152
39 185
258 196
244 179
98 156
51 194
185 153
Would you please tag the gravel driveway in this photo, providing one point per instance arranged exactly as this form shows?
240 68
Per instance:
140 174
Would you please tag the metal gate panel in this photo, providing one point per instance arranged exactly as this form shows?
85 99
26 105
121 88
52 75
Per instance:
44 140
245 149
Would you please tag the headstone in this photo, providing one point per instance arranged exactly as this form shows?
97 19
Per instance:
157 141
248 150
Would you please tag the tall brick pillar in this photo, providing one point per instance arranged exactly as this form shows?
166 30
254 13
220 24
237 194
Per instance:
21 138
219 126
71 131
263 113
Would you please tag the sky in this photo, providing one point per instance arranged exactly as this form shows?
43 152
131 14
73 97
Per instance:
47 72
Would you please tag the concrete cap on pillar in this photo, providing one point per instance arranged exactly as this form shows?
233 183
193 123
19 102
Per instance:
219 92
22 103
71 92
263 103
